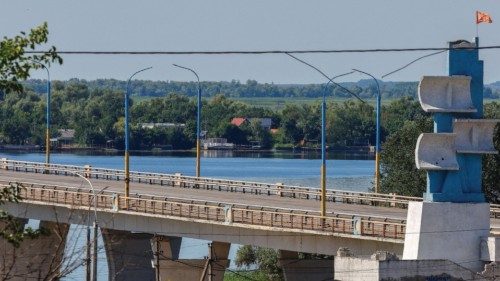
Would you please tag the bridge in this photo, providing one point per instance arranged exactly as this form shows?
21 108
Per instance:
225 211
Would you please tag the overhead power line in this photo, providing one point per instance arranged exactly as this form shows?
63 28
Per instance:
264 52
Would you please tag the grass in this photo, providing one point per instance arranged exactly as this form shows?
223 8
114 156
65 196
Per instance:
241 275
280 102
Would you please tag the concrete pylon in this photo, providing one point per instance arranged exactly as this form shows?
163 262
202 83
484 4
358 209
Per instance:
210 269
295 269
453 220
129 255
35 259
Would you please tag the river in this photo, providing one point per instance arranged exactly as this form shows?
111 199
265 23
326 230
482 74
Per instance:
345 171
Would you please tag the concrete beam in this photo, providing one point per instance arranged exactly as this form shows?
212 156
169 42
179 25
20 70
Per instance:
299 241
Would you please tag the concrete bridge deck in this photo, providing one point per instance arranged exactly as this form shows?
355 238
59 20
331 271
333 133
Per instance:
251 207
221 197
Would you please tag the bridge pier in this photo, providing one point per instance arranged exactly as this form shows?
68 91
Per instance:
129 255
35 259
212 268
295 269
142 256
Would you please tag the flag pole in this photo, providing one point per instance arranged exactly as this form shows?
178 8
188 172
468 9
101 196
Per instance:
477 26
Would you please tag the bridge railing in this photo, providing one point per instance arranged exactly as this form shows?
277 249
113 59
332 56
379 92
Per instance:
279 218
177 180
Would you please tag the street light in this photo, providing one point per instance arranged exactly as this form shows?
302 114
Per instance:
92 277
323 130
127 162
198 120
377 145
47 131
323 143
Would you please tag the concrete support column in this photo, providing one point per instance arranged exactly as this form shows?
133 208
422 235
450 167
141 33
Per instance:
41 258
210 269
295 269
129 255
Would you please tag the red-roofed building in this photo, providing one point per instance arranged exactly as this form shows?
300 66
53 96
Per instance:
265 123
238 121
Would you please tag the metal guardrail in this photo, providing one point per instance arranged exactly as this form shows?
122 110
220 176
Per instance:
178 180
277 218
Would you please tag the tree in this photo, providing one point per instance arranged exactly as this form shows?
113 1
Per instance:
266 260
351 123
491 163
15 64
399 172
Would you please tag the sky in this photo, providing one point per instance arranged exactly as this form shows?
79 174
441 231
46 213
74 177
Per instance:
215 25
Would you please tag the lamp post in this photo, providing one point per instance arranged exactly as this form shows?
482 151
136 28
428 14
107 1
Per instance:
377 142
91 273
198 120
323 125
127 161
47 113
323 144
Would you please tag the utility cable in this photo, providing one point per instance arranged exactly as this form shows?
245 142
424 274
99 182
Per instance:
410 63
264 52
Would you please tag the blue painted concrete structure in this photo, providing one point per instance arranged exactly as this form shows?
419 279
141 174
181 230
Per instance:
463 185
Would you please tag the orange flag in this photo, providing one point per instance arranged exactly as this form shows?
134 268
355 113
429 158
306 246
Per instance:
483 17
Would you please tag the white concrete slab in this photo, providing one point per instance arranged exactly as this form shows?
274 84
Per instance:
436 151
451 231
475 135
445 94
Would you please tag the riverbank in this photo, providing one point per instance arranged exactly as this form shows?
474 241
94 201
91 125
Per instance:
358 152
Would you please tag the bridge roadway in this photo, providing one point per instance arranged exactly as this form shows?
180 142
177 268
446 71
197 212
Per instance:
222 197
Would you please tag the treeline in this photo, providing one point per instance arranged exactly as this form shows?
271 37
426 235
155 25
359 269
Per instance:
96 115
142 88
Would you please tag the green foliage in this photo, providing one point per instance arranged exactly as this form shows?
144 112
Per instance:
265 259
491 163
15 64
245 275
251 90
399 173
20 113
399 111
351 123
13 230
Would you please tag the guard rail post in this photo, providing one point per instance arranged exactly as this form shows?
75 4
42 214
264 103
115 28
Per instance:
87 171
228 214
279 189
393 203
116 202
4 164
357 227
177 177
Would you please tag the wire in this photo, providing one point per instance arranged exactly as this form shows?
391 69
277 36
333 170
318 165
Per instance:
264 52
410 63
326 76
